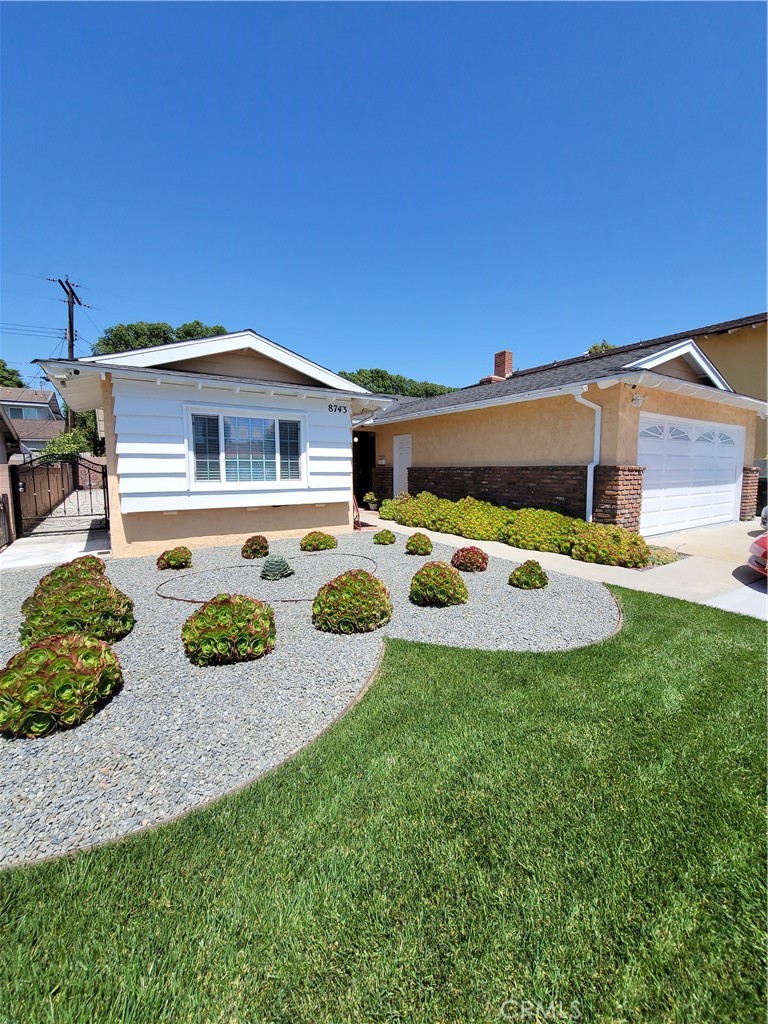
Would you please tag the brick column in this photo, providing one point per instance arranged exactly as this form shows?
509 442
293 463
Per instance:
383 482
618 495
748 508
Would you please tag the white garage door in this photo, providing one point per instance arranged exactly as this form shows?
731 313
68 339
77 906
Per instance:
692 475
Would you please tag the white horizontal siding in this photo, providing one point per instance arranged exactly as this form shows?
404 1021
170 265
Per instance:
151 432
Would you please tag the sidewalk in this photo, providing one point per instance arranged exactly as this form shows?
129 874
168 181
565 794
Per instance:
53 549
714 573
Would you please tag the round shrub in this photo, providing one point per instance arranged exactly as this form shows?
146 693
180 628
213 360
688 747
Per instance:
84 568
610 545
438 584
94 607
317 541
255 547
470 559
355 602
229 628
275 568
175 558
56 683
418 544
384 537
528 576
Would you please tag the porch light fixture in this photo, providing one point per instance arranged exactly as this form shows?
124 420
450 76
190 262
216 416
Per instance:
637 401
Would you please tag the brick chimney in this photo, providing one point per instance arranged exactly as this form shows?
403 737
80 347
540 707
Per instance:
502 368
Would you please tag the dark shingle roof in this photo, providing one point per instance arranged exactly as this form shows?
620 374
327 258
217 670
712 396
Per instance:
29 396
558 374
37 430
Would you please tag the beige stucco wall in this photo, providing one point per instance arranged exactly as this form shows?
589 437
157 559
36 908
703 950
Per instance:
149 533
681 369
247 365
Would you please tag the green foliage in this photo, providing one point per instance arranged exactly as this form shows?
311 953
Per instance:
418 544
599 347
470 518
528 576
84 568
227 629
128 337
10 378
439 585
384 537
68 442
355 602
56 683
317 541
537 529
86 423
385 383
255 547
610 545
92 606
662 556
470 559
175 558
276 568
369 496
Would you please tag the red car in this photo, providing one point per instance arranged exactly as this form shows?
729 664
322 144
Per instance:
757 554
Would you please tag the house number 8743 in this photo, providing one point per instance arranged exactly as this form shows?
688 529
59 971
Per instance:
336 408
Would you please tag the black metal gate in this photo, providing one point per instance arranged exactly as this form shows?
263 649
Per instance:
59 494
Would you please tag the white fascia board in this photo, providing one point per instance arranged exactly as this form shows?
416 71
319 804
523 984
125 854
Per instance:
673 385
221 345
689 350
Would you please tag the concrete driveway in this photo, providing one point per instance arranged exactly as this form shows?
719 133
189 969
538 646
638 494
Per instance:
714 571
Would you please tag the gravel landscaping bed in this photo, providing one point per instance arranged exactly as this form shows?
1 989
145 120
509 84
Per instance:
177 735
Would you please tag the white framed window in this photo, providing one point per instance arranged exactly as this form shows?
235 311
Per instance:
245 449
29 412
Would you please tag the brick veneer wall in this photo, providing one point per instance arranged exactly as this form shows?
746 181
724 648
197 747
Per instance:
562 488
383 482
749 493
618 495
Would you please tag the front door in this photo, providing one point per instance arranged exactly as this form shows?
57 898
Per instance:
401 447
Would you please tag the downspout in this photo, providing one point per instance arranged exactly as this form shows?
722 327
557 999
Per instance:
595 450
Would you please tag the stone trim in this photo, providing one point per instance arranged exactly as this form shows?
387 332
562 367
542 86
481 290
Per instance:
618 495
749 484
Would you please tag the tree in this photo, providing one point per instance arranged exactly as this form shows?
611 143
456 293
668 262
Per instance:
387 383
10 378
68 442
128 337
599 347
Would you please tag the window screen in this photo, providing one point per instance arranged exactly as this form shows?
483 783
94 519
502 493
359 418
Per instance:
205 436
290 467
249 449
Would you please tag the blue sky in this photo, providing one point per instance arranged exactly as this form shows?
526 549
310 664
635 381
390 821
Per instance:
412 186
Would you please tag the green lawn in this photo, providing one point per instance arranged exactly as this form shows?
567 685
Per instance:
483 827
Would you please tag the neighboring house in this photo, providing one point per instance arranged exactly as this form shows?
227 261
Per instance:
651 436
212 440
33 415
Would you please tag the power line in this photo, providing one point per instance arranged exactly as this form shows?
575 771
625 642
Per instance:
72 297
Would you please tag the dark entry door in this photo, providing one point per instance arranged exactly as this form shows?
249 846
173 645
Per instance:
363 459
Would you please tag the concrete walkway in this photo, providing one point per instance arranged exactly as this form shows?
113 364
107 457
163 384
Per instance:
53 549
715 572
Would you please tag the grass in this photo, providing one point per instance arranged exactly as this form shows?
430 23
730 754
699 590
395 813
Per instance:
585 826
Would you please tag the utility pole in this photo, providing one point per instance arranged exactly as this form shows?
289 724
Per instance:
72 298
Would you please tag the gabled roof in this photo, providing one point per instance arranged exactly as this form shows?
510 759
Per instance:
577 371
162 355
27 396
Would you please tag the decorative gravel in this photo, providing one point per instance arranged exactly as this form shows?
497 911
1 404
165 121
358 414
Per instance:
177 736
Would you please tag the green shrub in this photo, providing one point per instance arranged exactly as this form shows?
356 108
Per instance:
317 541
470 559
93 607
275 568
384 537
255 547
227 629
536 529
438 584
418 544
355 602
476 520
662 556
175 558
528 576
83 568
56 683
610 545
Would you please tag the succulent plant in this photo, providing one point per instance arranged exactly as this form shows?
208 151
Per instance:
354 602
227 629
438 584
317 541
529 576
384 537
275 568
255 547
93 607
175 558
610 545
56 683
470 559
83 568
418 544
